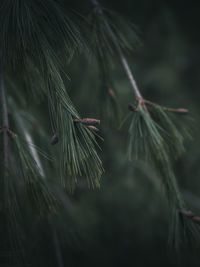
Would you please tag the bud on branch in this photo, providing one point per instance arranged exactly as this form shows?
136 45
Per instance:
191 216
88 121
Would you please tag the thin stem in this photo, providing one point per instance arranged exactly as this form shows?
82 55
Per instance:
5 120
130 76
172 110
122 57
177 110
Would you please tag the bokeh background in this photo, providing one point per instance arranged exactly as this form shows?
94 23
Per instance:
126 221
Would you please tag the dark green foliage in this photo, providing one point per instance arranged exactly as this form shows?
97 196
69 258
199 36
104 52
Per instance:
155 129
39 41
156 139
154 136
77 142
27 31
122 33
109 32
39 46
37 191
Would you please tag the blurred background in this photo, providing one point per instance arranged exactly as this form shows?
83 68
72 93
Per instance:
125 222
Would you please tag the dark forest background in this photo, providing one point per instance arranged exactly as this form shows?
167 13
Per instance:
125 222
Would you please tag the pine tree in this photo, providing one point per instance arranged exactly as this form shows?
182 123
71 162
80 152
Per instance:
38 42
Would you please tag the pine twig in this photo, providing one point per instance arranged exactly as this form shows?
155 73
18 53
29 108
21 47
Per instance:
190 215
144 102
87 121
137 93
173 110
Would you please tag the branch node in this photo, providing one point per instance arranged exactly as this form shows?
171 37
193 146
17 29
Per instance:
5 129
190 215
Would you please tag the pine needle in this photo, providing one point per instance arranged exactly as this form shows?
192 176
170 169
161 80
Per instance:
155 138
38 193
26 26
77 142
105 42
123 32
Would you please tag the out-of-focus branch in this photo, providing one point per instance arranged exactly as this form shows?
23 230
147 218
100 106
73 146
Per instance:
5 120
30 144
122 57
126 66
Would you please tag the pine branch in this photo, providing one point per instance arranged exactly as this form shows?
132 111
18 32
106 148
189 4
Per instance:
31 147
37 160
115 43
11 212
52 27
109 107
30 170
77 142
130 76
121 55
154 137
